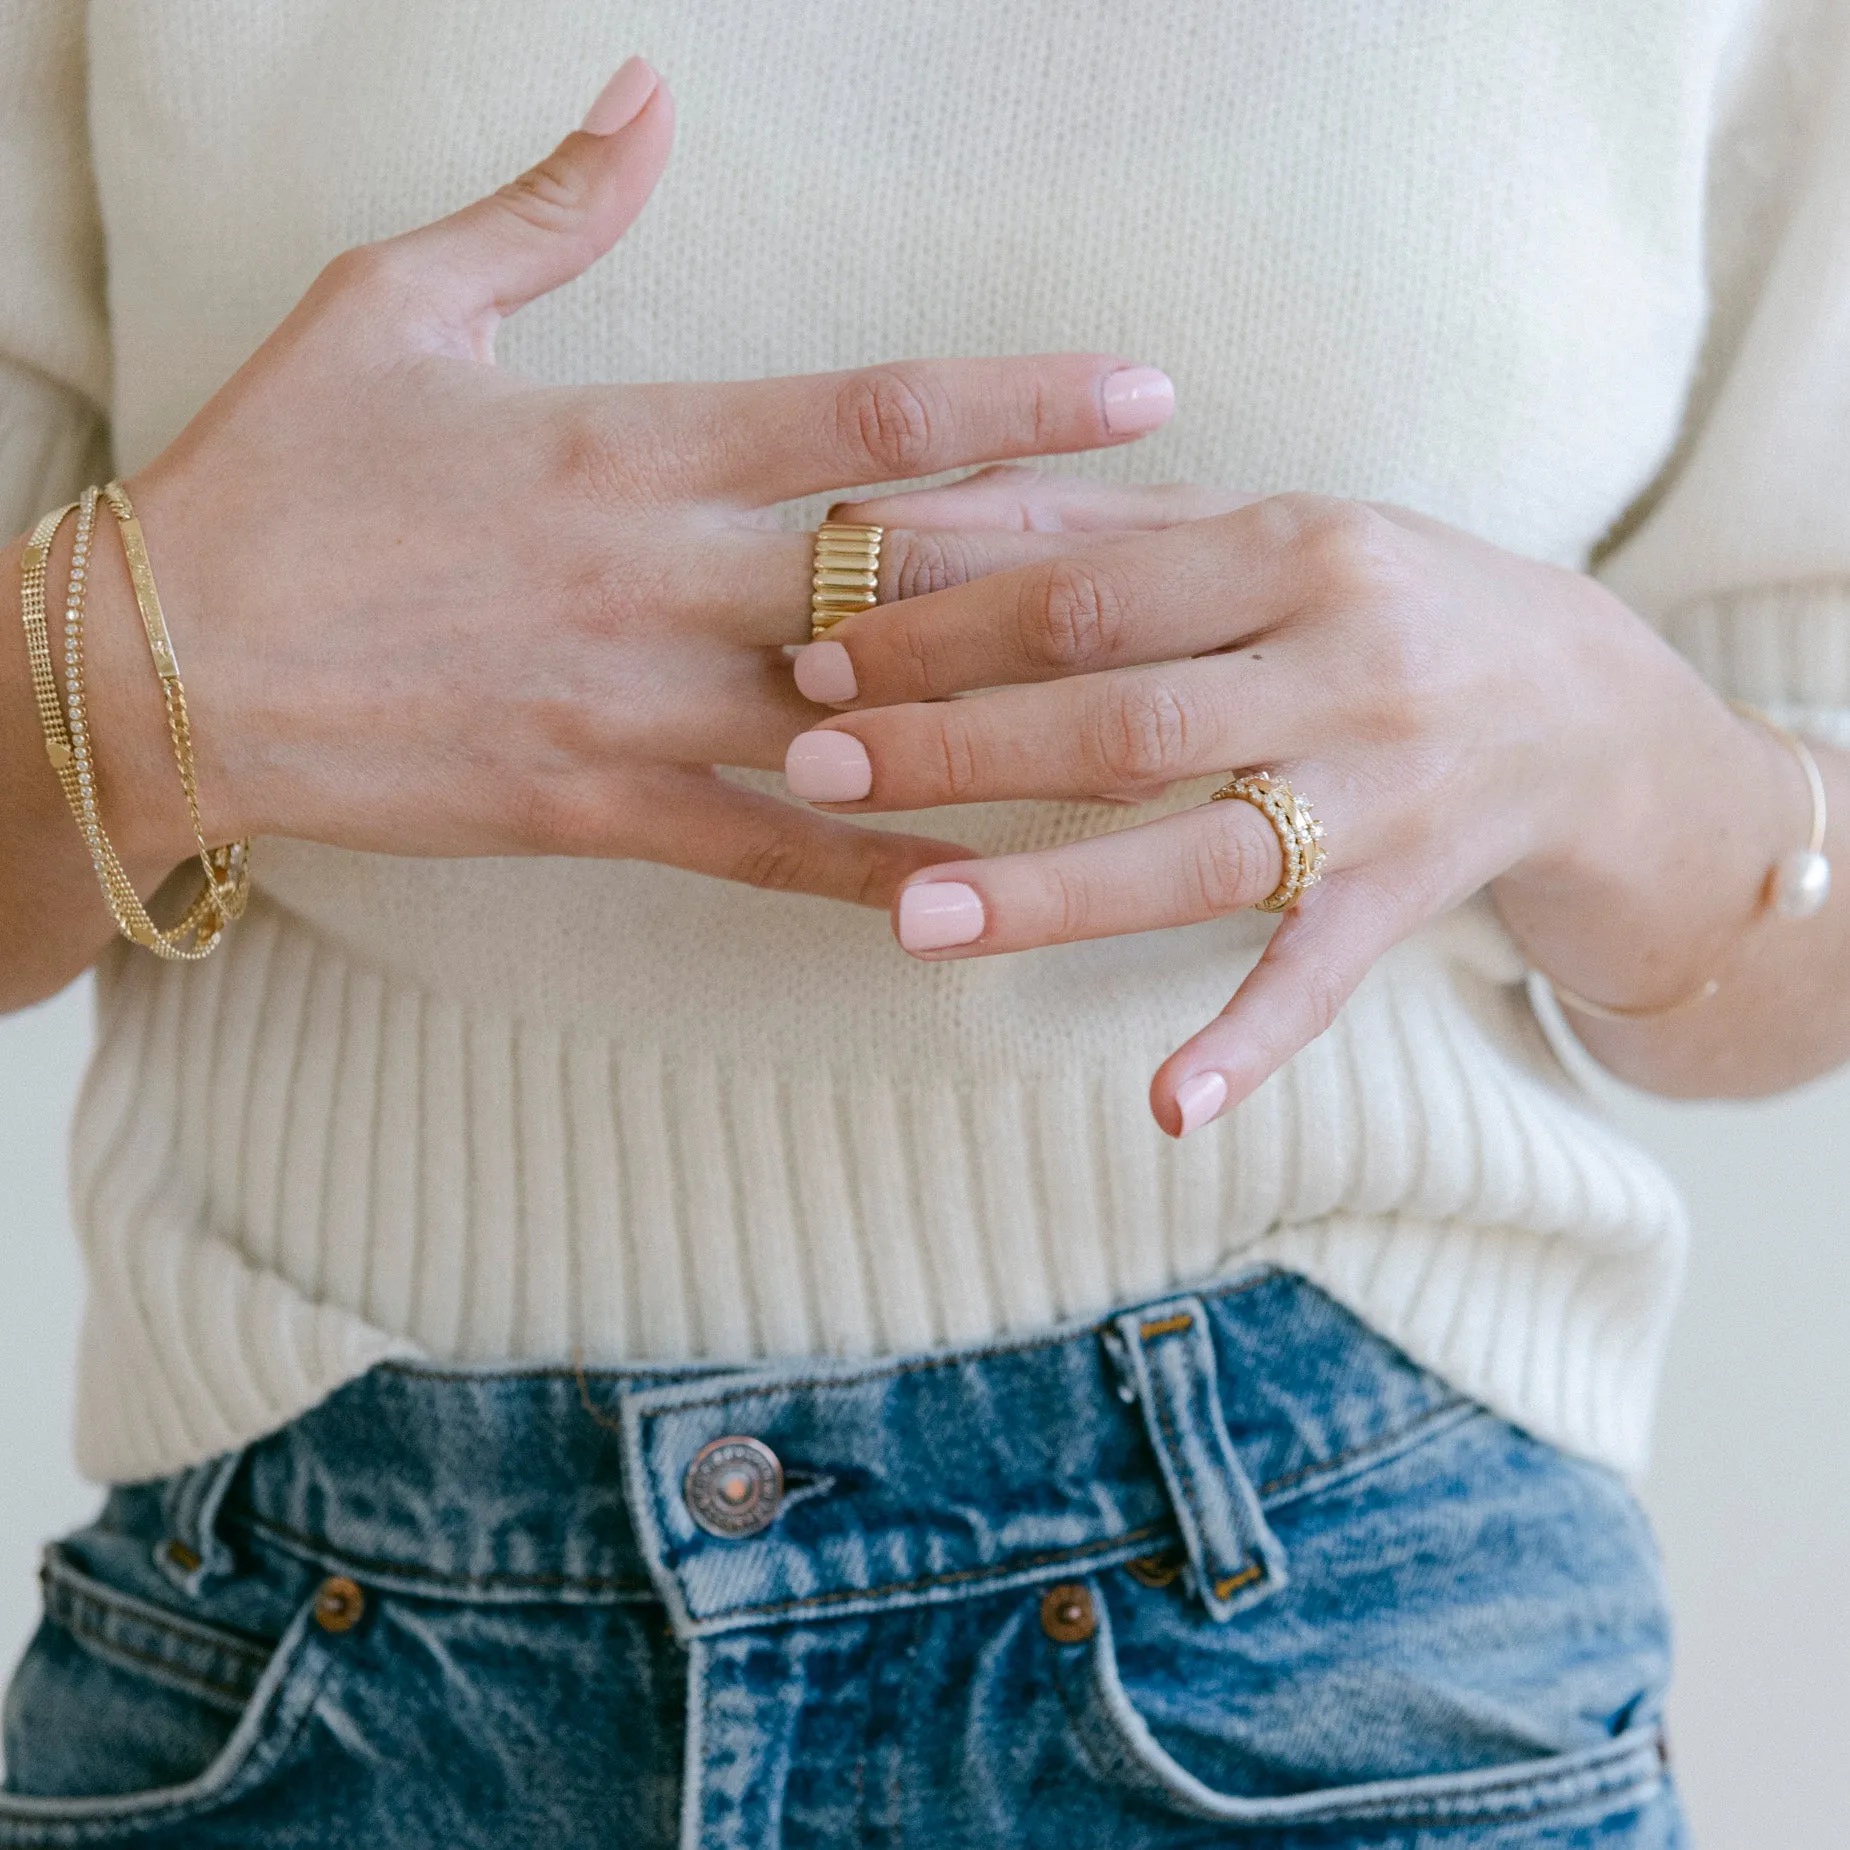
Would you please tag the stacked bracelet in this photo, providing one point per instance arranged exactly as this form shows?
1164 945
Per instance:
226 868
68 743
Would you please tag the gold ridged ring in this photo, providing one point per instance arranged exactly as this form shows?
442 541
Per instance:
845 575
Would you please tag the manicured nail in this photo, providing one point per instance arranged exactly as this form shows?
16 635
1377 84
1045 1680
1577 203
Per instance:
1198 1098
828 767
620 101
825 672
939 913
1137 399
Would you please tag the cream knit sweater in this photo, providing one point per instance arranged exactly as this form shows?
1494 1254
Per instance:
1550 272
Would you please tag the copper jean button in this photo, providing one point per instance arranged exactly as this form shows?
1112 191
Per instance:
339 1605
734 1487
1067 1613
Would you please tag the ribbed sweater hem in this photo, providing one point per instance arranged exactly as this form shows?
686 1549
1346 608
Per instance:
293 1165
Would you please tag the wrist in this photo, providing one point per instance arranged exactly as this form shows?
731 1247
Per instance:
1664 867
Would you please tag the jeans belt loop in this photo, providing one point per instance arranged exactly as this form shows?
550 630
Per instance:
1166 1353
193 1552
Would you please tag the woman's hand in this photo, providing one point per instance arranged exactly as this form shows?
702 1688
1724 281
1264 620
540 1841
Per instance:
1460 717
427 608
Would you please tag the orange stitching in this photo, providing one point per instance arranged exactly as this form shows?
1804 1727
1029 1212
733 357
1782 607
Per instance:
1245 1578
1166 1326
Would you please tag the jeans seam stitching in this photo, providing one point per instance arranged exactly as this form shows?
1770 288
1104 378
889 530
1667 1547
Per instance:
64 1605
590 1583
1292 1479
926 1364
963 1575
116 1648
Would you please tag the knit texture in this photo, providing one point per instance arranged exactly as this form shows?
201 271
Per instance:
1572 278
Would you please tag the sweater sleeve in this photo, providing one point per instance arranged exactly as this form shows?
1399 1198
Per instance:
1741 555
54 334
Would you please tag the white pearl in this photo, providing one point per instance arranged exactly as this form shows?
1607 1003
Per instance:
1801 884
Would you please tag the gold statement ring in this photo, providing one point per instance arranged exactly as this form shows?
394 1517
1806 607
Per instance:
845 576
1300 834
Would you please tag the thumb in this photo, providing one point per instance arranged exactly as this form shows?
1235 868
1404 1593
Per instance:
529 237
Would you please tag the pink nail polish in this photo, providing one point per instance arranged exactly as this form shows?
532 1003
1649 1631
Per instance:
1198 1098
828 767
936 914
620 101
825 673
1136 399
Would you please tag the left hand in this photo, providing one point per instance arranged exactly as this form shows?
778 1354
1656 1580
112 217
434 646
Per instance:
1460 717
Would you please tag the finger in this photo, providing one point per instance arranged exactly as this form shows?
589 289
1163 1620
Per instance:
1019 496
1133 731
754 587
708 826
470 270
1322 949
1206 862
1151 597
768 440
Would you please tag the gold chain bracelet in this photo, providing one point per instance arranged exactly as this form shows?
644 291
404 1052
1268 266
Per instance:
68 746
226 868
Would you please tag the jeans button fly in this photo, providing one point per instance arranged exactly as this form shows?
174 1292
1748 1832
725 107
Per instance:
734 1487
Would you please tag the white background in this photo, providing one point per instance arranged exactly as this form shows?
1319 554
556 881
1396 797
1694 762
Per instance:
1751 1490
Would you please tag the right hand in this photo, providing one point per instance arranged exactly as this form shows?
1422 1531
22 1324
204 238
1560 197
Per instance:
427 608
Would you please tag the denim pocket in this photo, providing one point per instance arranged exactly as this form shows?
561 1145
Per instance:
126 1715
1473 1635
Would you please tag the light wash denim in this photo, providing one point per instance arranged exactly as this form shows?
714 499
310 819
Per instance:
1225 1568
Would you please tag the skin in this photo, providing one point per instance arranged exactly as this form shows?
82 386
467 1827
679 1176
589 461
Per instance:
427 608
1463 718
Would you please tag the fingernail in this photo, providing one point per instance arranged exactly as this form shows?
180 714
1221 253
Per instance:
620 101
1136 399
1198 1099
939 913
825 672
828 767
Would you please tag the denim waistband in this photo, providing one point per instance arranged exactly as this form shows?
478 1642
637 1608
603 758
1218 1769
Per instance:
1167 1428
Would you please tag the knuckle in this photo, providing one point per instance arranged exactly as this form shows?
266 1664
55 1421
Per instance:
958 765
872 880
917 648
1068 904
886 419
1231 868
1341 550
928 562
778 863
552 815
1072 617
549 195
1141 735
373 276
593 465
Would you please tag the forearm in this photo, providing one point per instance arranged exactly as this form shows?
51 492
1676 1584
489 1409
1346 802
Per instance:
53 920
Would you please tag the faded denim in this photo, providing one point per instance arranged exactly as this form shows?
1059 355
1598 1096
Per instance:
1225 1569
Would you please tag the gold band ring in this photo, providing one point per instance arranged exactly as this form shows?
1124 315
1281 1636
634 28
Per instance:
845 576
1300 834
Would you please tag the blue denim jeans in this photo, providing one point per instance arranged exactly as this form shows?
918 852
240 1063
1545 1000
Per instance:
1224 1568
